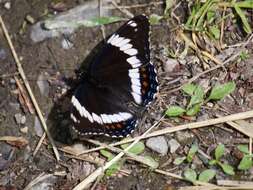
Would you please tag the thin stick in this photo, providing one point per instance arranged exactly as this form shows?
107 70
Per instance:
23 76
99 171
233 117
39 144
222 27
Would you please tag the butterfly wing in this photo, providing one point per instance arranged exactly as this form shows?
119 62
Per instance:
123 74
97 111
124 63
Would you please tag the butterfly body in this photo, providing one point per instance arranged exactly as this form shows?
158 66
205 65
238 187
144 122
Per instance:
120 75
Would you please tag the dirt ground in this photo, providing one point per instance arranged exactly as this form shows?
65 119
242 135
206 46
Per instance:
56 65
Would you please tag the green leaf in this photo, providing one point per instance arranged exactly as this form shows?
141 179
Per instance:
244 20
174 111
219 151
112 169
243 148
189 88
194 148
179 160
152 163
190 175
244 55
207 175
245 163
168 5
96 21
212 162
198 97
227 169
210 16
215 32
245 4
193 110
107 154
220 91
154 19
138 148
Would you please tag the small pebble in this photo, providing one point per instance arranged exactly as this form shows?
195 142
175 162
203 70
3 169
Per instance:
184 137
38 127
7 5
3 54
158 144
170 65
30 19
43 85
12 81
24 130
174 145
66 44
20 119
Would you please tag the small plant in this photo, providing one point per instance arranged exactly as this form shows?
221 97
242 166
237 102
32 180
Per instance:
197 98
244 55
190 174
246 162
203 16
137 149
219 152
204 176
192 152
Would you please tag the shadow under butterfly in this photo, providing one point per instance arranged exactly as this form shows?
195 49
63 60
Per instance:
113 90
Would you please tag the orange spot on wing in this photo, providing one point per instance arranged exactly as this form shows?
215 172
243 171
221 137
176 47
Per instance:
145 83
118 125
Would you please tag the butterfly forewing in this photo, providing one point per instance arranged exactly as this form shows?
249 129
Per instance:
123 75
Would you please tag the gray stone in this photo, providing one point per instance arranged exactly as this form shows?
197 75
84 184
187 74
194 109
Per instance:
43 85
158 144
20 119
37 127
7 5
170 65
3 54
67 22
174 145
66 44
184 137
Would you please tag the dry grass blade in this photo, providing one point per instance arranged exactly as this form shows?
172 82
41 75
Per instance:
15 141
38 179
28 88
39 144
235 183
24 96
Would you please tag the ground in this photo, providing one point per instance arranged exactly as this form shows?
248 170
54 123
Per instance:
53 67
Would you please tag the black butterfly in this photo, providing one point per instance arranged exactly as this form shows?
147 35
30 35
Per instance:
120 75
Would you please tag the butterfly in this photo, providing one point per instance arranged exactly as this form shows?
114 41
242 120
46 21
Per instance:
120 75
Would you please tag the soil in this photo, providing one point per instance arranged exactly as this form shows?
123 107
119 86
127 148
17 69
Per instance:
18 166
